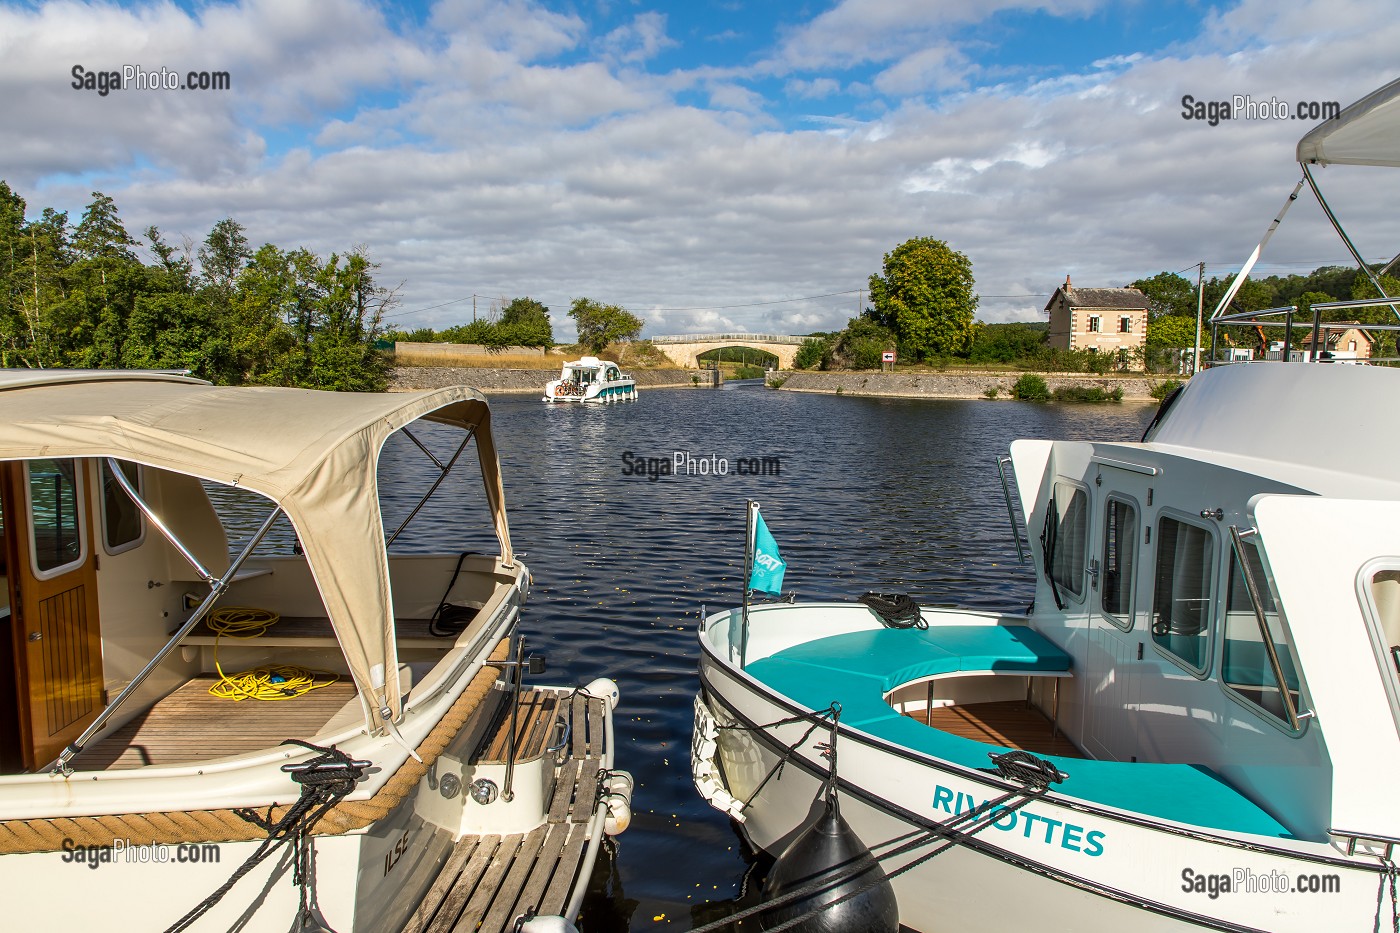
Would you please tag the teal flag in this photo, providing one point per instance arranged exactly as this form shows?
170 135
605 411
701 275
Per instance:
768 564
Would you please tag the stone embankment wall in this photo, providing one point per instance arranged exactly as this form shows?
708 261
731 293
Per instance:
954 385
412 378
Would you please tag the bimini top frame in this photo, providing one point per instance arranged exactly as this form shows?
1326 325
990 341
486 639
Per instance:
314 454
1365 133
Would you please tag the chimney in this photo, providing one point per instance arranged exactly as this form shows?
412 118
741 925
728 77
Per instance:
1067 285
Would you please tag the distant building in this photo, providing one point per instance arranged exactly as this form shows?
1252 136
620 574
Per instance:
1100 320
1354 343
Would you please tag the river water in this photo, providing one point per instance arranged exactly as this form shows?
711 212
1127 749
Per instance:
890 495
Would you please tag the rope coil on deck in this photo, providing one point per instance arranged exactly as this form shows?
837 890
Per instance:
225 825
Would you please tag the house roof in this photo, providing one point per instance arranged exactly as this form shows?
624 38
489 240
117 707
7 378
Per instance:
1333 336
1118 299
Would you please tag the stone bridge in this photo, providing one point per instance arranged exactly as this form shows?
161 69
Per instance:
684 349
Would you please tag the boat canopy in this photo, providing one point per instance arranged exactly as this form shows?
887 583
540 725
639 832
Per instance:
1366 133
315 454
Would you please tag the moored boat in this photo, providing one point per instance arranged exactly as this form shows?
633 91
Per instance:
141 755
591 380
1189 728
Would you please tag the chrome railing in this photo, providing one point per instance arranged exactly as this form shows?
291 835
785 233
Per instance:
1313 324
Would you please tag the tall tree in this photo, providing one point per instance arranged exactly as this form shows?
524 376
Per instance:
925 296
1168 294
600 324
525 323
222 257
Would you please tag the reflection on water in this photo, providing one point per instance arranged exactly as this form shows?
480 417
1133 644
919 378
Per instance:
882 494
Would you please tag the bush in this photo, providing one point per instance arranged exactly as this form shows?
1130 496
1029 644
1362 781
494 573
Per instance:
1087 394
814 352
1161 390
1030 388
991 391
861 345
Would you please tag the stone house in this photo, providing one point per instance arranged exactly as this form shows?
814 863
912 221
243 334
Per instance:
1100 320
1354 343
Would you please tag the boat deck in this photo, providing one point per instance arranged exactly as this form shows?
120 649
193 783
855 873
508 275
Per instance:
192 725
489 881
1011 723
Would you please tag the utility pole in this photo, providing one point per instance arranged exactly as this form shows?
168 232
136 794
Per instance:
473 307
1200 308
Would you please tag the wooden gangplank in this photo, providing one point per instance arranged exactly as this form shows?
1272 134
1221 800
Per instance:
489 881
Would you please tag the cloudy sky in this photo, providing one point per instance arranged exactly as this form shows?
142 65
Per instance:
711 165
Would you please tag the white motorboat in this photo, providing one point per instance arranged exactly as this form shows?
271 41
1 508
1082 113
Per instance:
141 763
591 380
1205 693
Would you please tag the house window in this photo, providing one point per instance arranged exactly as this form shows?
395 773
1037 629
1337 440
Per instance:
1125 325
1351 345
1093 323
1181 591
1119 553
1247 668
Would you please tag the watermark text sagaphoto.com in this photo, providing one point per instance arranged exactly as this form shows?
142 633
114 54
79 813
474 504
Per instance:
1244 881
134 77
684 463
1245 107
123 851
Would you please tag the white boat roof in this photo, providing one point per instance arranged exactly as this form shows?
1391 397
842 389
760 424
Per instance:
1300 423
314 453
1365 133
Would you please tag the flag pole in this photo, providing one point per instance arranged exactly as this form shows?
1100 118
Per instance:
750 524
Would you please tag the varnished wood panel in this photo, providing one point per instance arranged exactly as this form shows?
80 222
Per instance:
1011 723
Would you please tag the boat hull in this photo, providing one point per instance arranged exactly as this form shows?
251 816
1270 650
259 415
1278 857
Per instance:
1090 869
624 390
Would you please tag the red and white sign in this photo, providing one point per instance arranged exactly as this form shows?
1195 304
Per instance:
887 356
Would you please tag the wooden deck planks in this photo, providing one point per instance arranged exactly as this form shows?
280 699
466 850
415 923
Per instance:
487 883
192 725
1011 723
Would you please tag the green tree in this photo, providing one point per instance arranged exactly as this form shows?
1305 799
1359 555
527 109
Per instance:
814 352
1168 294
600 324
1007 343
525 323
861 344
1172 330
926 297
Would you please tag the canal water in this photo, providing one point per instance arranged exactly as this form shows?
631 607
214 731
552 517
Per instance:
890 495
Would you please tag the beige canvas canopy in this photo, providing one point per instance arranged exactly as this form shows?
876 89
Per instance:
313 453
1366 133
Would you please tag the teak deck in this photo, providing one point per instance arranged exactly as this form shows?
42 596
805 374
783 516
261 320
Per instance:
1011 723
192 725
489 881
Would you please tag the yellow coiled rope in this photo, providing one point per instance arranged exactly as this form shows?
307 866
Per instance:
271 682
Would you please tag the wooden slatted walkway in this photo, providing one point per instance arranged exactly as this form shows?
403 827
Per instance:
488 881
1011 723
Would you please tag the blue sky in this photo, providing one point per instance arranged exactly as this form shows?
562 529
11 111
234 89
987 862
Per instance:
700 155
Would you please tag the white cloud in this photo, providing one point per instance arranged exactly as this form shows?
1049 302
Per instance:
492 154
640 40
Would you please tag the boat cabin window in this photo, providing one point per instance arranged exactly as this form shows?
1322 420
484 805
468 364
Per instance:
123 525
1069 542
1181 591
1385 598
1247 668
56 525
1119 561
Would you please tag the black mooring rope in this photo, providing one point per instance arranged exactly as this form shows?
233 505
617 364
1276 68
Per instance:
1017 765
896 610
324 780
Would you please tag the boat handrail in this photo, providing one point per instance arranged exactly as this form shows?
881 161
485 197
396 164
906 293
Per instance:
1316 325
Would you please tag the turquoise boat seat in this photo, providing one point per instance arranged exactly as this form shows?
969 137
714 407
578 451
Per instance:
857 669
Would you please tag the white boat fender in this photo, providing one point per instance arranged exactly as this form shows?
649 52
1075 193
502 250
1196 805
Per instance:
602 687
544 925
617 795
829 849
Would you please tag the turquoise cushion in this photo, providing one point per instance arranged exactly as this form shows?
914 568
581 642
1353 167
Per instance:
899 656
856 669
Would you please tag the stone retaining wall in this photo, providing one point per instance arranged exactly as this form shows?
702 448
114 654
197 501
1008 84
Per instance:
412 378
954 385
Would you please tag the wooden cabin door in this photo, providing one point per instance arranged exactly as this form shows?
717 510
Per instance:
57 644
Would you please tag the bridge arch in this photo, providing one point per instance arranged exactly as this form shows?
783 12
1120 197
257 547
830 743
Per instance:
684 349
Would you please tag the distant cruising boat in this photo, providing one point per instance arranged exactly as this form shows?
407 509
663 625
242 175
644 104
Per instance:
1197 723
138 760
591 380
